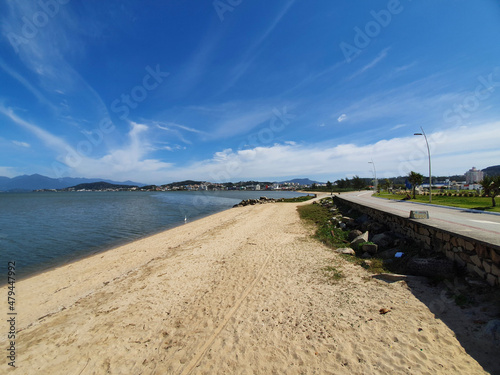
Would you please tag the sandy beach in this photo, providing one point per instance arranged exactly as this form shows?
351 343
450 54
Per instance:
243 291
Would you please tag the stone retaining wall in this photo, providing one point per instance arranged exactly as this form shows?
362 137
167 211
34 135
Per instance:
479 257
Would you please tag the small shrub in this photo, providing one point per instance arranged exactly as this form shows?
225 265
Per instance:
298 199
332 273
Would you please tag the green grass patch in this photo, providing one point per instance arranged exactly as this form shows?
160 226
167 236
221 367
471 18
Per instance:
332 273
360 245
377 266
373 265
334 237
314 213
454 200
303 198
325 232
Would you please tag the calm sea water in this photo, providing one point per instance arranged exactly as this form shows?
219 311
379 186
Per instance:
42 230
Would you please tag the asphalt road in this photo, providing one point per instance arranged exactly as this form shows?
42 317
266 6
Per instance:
479 225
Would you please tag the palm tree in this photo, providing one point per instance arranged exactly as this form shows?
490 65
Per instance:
387 184
358 183
491 186
415 179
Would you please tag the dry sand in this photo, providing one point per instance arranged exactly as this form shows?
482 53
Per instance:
240 292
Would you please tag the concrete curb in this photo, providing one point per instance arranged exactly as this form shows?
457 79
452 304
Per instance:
451 207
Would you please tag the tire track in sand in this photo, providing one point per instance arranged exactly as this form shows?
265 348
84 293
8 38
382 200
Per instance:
197 358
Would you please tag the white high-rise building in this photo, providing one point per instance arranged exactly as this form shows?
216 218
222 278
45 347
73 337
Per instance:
473 176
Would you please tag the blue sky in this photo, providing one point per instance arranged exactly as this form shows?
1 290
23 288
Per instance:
230 90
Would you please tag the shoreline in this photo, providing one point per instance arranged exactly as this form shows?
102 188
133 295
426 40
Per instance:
107 254
65 259
107 248
242 290
85 261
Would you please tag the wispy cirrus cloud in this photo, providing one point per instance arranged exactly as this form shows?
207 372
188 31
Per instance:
252 53
54 81
22 144
381 56
49 139
401 102
179 126
236 118
130 158
27 85
403 68
399 126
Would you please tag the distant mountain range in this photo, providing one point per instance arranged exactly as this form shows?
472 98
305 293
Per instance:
492 171
37 181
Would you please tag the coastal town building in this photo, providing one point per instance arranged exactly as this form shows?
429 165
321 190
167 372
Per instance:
473 176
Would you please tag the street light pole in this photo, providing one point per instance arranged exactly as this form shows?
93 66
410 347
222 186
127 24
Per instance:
429 153
375 174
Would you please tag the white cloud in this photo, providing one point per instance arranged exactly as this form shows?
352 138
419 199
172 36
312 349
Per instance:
22 144
236 121
49 139
342 117
402 102
9 172
398 126
128 162
405 67
253 51
452 151
381 56
183 127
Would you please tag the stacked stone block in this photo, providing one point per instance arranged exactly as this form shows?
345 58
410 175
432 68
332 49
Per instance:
480 258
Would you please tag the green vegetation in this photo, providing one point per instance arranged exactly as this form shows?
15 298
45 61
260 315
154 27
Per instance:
325 231
365 243
333 237
491 186
332 273
343 185
298 199
457 199
415 179
313 213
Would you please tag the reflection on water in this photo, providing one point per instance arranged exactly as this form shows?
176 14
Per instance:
40 230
